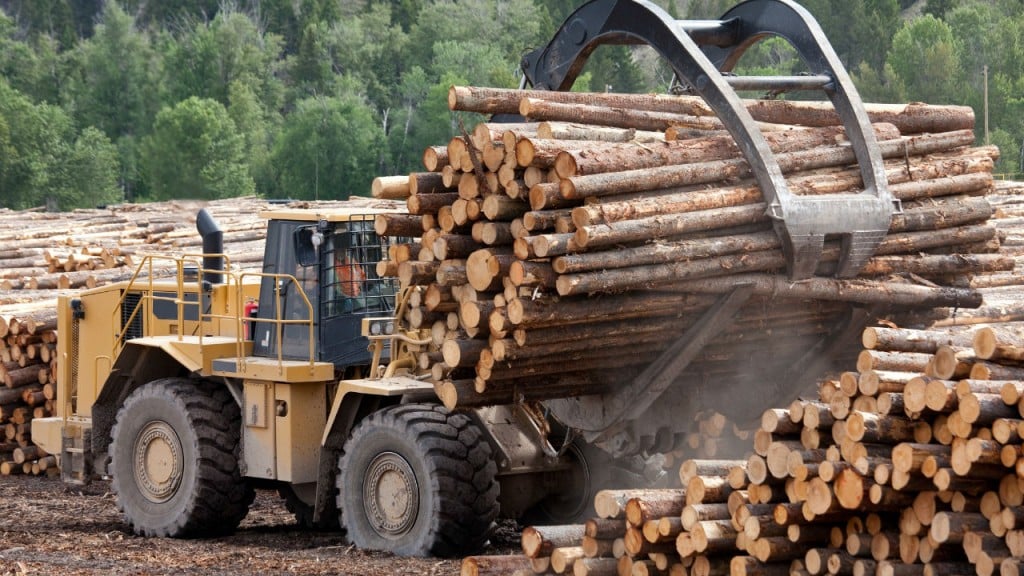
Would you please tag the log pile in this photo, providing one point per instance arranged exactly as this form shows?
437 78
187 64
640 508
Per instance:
28 363
48 254
88 248
912 464
868 478
556 258
862 480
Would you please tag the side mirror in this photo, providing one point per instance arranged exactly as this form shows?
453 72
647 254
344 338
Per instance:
307 240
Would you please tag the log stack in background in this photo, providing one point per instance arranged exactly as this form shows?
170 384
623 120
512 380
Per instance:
44 251
560 257
46 254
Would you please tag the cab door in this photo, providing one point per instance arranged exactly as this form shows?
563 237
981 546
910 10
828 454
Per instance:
351 291
283 298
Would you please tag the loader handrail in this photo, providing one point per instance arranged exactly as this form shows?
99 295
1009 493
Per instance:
147 295
278 322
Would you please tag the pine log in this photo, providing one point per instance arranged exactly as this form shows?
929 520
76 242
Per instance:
398 225
435 158
540 541
390 187
426 184
572 131
635 156
595 567
866 292
908 118
655 505
612 503
951 526
907 340
537 109
579 187
494 565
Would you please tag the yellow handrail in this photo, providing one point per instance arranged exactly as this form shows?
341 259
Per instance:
278 322
147 297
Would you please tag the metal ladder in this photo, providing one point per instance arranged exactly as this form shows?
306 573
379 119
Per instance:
702 53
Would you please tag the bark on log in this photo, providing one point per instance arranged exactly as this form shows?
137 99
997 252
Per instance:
540 541
909 118
635 156
494 565
579 187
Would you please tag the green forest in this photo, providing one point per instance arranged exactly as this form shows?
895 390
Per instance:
142 100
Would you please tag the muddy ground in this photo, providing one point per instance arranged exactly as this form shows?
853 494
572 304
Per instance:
48 528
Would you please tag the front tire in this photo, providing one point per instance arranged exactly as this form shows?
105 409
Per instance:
593 470
417 480
174 459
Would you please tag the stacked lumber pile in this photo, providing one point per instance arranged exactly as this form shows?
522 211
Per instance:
28 362
851 482
559 258
89 248
912 464
46 254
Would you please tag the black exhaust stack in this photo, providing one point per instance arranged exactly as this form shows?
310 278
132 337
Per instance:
213 243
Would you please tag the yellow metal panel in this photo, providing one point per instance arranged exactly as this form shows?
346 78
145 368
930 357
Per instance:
258 444
393 386
46 433
64 364
271 369
257 404
97 333
301 413
195 353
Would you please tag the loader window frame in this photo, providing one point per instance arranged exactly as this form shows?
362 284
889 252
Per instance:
350 281
305 246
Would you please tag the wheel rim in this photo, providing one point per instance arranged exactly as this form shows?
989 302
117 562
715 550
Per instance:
571 502
391 495
158 461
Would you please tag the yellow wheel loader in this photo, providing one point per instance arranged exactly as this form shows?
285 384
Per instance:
191 392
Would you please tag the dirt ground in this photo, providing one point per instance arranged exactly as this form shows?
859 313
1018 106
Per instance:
48 528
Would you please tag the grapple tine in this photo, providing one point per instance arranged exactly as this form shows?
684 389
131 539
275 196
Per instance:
860 221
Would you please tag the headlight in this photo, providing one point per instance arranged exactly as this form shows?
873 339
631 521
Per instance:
379 326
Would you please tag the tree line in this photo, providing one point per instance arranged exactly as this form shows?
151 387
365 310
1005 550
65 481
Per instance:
136 100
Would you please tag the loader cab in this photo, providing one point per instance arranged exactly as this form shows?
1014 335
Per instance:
333 259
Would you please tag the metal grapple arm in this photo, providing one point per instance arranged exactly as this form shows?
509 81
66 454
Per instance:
701 54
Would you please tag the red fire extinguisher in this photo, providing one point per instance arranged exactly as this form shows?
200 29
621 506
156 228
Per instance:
251 310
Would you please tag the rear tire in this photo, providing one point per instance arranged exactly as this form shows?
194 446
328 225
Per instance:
417 480
174 459
300 507
574 504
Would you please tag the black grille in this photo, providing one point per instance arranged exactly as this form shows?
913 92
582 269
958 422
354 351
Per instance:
135 329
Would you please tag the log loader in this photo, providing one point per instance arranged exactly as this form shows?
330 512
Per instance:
190 392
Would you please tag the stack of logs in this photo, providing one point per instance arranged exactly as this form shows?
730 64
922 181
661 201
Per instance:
552 253
45 251
28 369
912 464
